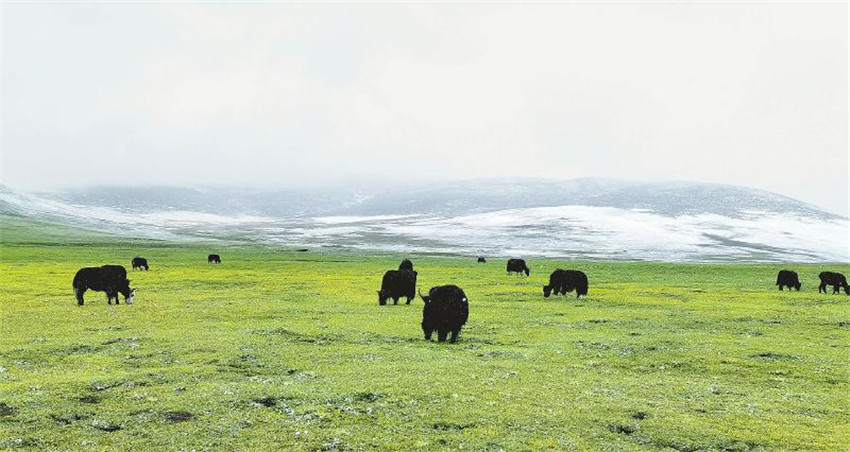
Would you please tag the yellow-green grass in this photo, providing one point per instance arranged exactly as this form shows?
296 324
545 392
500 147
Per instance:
275 349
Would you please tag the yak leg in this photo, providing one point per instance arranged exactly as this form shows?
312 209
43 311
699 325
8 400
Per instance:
409 298
428 334
441 335
780 287
395 300
835 289
822 287
453 339
79 294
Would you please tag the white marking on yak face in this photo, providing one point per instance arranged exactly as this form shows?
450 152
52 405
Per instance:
129 299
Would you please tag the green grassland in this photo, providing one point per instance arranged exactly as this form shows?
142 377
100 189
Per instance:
276 349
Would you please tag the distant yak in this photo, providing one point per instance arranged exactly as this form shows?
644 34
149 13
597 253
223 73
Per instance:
111 279
213 259
836 280
789 279
406 265
518 266
397 284
139 263
481 260
446 311
563 281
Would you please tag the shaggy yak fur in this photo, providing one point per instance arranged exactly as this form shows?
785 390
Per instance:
836 280
789 279
446 311
397 284
213 258
139 263
563 281
111 279
518 266
406 265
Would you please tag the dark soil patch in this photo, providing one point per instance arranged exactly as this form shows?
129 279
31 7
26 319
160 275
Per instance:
89 399
623 429
65 420
106 426
771 355
640 415
75 349
7 410
267 402
445 426
367 397
178 416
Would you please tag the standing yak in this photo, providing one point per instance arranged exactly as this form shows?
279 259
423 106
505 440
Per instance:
139 263
836 280
397 284
111 279
481 260
213 258
446 311
789 279
518 266
563 281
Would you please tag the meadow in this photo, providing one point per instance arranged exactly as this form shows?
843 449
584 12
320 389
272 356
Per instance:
277 349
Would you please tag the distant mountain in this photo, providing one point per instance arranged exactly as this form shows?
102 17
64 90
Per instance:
666 198
577 219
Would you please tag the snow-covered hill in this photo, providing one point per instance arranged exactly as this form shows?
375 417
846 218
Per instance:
582 219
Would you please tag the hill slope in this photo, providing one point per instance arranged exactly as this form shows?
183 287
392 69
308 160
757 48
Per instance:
582 219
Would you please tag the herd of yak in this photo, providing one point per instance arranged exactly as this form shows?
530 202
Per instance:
446 308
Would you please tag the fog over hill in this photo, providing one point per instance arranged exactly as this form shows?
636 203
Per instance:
581 219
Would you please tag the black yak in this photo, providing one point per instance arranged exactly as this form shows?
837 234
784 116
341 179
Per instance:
446 311
139 263
836 280
111 279
406 265
789 279
481 260
213 258
563 281
518 266
397 284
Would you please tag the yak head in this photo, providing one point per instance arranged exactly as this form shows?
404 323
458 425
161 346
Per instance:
846 288
382 297
127 291
798 286
425 298
546 291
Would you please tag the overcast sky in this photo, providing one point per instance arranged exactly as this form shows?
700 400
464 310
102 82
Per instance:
286 95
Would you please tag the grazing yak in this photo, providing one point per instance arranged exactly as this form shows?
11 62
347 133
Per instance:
446 311
139 263
836 280
397 284
111 279
406 265
213 258
481 260
563 281
789 279
518 266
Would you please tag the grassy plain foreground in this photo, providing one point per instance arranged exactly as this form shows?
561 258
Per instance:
283 350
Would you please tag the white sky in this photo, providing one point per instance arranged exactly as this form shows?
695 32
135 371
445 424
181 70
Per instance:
266 94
